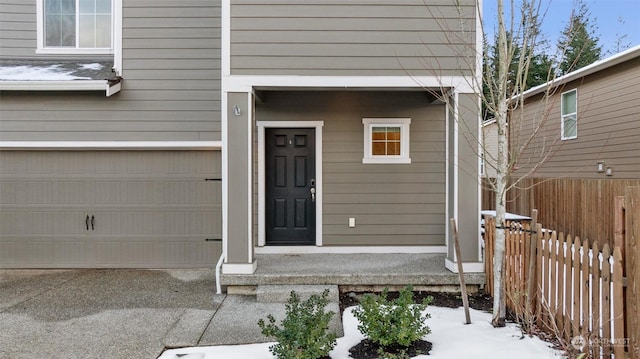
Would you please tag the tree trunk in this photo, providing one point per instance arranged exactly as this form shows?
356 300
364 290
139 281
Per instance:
502 172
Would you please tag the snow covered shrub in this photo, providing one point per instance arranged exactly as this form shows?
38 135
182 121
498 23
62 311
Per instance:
304 333
392 323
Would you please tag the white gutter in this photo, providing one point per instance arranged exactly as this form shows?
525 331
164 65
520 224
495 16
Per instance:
58 85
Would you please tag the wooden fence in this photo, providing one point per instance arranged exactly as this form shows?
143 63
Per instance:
579 288
582 207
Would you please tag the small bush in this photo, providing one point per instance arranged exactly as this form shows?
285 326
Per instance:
304 333
388 323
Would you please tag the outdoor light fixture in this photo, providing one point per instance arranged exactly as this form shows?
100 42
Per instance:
609 171
600 166
236 110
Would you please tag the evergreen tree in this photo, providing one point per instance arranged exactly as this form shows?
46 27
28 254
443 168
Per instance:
578 42
540 69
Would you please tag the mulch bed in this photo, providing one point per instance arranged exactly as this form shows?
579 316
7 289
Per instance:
479 301
367 349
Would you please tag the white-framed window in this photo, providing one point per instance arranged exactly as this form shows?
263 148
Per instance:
76 26
569 115
386 140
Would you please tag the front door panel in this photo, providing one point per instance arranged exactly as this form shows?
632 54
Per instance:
290 186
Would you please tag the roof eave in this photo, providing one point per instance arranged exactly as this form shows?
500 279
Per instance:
110 87
585 71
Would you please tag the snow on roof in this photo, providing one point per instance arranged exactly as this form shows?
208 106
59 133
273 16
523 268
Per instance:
48 70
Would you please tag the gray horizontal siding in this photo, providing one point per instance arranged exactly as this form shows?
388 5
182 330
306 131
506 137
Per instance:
394 205
171 88
17 28
351 38
608 127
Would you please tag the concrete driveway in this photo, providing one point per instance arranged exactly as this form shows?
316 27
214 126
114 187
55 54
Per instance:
103 313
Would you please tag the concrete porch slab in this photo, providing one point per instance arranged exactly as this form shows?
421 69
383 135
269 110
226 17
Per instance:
280 293
391 269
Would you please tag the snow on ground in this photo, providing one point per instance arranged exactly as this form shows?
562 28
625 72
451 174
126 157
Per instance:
450 337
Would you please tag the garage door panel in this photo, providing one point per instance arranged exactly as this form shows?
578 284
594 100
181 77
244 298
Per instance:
151 209
10 223
69 222
9 192
69 192
142 192
69 253
39 192
109 192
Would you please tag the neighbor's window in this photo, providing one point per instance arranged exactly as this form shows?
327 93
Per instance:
569 110
386 140
75 26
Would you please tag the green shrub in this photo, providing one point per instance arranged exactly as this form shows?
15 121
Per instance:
304 333
388 323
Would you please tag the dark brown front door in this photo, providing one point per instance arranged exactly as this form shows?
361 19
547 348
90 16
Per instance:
290 211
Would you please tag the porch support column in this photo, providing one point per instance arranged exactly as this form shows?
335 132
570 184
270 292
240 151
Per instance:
238 183
463 181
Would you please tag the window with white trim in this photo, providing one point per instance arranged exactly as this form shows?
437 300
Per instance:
386 140
569 115
75 26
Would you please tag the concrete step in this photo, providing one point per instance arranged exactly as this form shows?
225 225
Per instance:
281 293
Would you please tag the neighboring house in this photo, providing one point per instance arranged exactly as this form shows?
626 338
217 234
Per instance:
318 117
489 153
591 122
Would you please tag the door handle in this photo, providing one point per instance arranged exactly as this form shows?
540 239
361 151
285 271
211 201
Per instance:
93 222
313 194
86 222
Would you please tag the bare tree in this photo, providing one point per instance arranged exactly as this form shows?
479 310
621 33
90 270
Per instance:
506 75
527 145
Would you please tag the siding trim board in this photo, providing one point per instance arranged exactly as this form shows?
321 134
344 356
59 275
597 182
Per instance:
111 145
240 83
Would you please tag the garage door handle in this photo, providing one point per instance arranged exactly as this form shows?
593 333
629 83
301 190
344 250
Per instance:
93 222
86 222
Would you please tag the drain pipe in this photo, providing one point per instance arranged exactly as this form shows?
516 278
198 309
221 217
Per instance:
218 268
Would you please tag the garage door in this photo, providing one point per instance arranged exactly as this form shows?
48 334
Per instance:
109 209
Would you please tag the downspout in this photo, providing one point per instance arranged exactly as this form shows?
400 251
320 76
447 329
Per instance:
218 268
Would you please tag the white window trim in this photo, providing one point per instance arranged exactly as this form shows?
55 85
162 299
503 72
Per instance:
404 123
116 33
564 115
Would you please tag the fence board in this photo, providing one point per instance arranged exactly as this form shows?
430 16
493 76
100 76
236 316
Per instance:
575 307
606 304
552 288
595 300
567 205
584 286
539 275
618 309
561 283
632 268
567 288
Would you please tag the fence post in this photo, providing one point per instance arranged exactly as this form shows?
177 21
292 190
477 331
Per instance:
632 259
